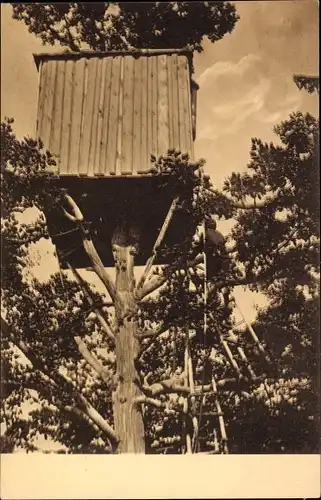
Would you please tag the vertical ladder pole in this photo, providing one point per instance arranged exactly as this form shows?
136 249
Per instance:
217 404
188 377
220 418
202 399
186 405
191 380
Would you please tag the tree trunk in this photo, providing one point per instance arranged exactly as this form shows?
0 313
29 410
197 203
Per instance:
128 417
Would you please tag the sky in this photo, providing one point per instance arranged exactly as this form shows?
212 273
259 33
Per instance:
245 79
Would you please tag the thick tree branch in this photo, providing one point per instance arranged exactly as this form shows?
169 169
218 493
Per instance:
164 386
77 215
158 242
90 249
150 401
256 205
86 290
175 385
92 360
250 206
98 420
62 381
79 413
158 281
153 332
152 285
60 407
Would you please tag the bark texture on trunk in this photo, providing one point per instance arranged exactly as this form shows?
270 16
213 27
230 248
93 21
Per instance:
128 416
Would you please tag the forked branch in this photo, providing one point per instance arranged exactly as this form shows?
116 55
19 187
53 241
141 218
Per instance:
99 314
96 263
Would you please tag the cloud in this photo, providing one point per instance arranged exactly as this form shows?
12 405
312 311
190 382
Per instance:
224 68
229 117
246 105
290 105
243 95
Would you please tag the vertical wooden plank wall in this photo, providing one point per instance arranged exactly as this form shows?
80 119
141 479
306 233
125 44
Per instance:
127 119
163 108
106 110
106 115
66 117
58 107
138 117
114 117
76 116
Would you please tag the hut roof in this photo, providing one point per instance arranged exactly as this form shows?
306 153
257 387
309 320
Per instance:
67 55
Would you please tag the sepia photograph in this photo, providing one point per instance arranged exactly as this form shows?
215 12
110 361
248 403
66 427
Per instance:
160 228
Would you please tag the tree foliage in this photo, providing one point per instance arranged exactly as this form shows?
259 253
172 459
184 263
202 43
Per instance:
273 248
309 83
122 25
290 325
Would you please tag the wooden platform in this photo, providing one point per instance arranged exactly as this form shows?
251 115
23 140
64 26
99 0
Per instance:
140 200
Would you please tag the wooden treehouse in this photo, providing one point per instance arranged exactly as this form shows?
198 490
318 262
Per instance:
103 114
